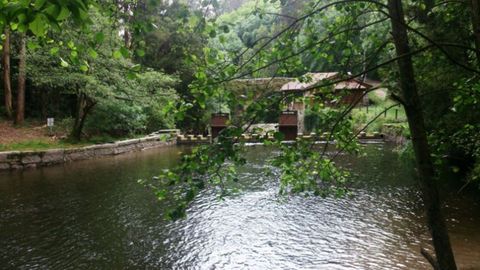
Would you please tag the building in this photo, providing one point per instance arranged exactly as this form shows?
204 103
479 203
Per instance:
326 87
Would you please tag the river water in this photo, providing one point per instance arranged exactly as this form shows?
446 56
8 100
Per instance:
94 215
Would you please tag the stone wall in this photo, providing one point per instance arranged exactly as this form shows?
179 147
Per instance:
15 160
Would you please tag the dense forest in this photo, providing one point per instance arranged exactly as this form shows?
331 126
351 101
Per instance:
128 67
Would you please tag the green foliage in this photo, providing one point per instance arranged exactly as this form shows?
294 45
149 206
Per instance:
320 120
205 167
306 170
116 119
127 98
39 16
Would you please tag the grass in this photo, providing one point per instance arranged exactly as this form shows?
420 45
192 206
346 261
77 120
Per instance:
395 116
34 136
46 144
39 144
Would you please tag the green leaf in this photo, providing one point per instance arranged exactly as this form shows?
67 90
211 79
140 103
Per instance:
84 68
99 37
38 25
92 53
201 100
140 52
63 63
125 52
52 10
131 75
225 28
279 136
136 68
212 33
54 50
32 45
64 14
117 54
39 4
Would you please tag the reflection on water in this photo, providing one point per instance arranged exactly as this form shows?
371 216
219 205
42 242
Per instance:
93 215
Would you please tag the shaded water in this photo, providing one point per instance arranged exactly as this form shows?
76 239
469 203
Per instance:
93 215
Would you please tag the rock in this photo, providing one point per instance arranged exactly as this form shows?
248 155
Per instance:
4 166
107 149
16 166
30 166
128 142
3 156
78 154
31 158
10 156
124 149
55 156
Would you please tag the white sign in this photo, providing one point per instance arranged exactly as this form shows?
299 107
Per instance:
50 122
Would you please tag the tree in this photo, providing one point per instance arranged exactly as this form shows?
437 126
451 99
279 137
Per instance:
7 86
95 70
22 69
436 222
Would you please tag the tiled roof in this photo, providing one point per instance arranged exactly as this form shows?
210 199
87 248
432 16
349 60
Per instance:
352 85
315 79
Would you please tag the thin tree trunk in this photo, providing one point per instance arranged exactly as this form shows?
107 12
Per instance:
126 34
84 106
7 84
77 128
22 73
425 169
475 9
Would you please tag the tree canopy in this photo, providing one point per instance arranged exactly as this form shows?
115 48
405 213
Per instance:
135 66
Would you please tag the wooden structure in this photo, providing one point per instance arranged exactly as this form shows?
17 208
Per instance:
352 91
218 123
288 124
344 92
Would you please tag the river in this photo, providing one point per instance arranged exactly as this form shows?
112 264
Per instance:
94 215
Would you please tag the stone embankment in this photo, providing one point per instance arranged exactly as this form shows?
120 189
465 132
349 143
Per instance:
15 160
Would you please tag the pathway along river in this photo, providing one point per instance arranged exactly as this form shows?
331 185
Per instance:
94 215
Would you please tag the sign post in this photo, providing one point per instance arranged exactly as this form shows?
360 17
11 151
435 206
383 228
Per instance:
50 124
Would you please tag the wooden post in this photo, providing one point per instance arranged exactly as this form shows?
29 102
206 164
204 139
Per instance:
288 124
218 123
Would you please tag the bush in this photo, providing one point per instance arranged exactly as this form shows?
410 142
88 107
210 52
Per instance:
156 118
116 119
321 120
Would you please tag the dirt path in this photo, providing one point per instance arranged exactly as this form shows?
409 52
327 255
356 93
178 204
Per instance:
33 131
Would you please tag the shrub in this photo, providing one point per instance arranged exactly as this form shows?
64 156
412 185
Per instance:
116 119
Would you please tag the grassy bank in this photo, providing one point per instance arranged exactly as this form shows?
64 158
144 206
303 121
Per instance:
387 120
34 136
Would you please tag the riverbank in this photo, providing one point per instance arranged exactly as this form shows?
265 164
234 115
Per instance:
18 160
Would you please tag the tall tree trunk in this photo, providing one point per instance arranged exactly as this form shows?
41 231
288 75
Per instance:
425 169
7 84
126 31
22 73
84 105
475 10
